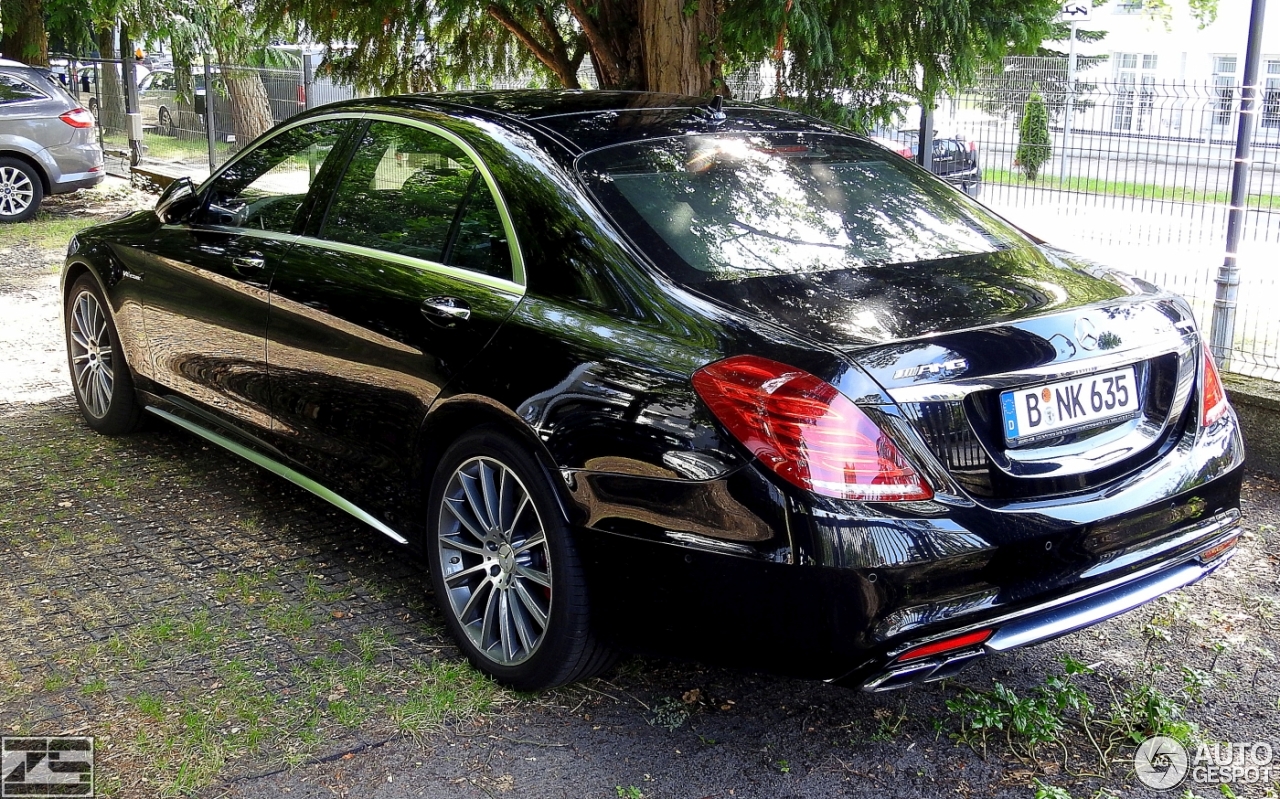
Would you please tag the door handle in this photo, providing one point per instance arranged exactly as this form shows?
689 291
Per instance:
248 265
446 311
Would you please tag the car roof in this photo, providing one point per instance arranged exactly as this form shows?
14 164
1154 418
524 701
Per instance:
581 121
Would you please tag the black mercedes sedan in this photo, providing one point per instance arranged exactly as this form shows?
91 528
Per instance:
667 374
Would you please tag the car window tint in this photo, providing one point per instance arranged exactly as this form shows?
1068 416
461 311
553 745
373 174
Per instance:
16 90
402 193
266 188
162 81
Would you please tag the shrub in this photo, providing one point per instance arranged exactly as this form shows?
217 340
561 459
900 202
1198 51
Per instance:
1034 145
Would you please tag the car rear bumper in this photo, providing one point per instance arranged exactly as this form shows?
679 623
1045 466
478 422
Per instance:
77 182
1054 618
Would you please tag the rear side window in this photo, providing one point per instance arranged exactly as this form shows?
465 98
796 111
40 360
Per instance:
16 90
733 206
412 192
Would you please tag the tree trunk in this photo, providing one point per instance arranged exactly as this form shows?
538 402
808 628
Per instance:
25 39
110 89
250 107
680 40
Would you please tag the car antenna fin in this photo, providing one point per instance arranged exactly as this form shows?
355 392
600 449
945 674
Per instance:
716 107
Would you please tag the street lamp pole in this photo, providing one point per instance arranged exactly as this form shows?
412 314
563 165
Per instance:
1071 101
1222 328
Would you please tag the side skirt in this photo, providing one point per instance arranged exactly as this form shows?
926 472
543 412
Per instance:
276 467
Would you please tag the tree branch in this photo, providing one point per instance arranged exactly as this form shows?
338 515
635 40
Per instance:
601 53
548 58
553 35
580 50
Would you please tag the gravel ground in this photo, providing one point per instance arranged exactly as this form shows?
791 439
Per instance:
222 633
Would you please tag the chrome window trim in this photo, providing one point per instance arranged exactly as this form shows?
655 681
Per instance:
257 233
518 280
457 273
445 270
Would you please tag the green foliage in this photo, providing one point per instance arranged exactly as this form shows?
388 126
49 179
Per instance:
837 50
1047 791
1035 147
670 713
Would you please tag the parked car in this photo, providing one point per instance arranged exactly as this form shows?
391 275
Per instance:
48 144
89 84
654 373
955 157
157 98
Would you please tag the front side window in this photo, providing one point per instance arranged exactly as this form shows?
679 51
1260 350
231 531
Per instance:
266 188
412 192
728 207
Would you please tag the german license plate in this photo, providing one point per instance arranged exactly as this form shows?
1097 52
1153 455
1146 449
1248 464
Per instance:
1082 403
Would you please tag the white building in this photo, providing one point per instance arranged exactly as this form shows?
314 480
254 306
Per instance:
1173 77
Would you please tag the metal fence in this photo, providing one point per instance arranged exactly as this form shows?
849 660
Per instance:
188 129
1141 180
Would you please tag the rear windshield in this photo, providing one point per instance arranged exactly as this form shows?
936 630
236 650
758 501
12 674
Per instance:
733 206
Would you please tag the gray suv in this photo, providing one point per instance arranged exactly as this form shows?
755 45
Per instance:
48 143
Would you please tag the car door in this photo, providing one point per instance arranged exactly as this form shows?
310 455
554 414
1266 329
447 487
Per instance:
402 280
206 278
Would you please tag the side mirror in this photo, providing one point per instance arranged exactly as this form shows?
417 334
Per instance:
177 201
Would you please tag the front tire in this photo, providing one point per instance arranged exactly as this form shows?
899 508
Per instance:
20 191
100 378
504 569
164 123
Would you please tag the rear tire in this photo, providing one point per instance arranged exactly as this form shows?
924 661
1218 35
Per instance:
100 378
164 122
20 190
504 569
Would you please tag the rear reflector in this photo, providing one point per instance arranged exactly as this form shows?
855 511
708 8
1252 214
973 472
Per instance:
945 645
78 118
806 431
1217 549
1213 399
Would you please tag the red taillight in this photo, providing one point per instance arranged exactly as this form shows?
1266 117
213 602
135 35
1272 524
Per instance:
806 431
946 645
973 146
1213 399
78 118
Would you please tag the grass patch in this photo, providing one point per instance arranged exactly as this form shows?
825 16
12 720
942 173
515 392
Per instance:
1118 188
1060 713
46 231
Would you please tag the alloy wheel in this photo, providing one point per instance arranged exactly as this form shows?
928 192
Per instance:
16 191
92 357
495 563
